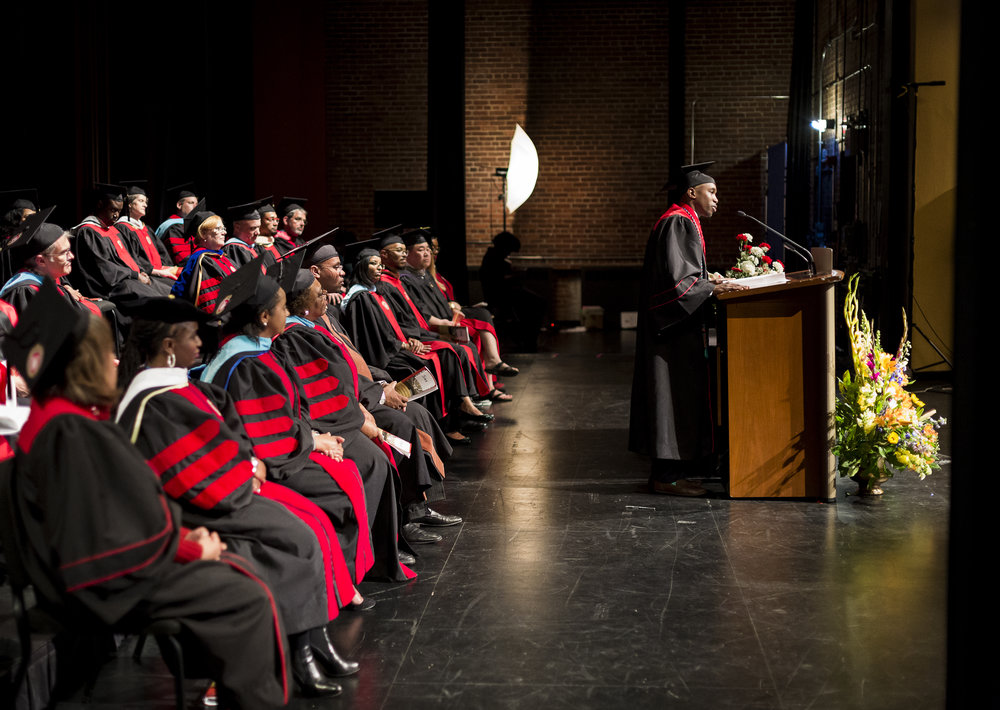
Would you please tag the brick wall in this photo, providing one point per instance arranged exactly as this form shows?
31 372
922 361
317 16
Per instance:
376 107
738 55
588 82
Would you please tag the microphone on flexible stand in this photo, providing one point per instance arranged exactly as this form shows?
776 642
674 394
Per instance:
797 248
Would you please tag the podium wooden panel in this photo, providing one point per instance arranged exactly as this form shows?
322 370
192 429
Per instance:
779 388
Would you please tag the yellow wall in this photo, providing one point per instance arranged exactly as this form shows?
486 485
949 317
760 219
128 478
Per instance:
936 35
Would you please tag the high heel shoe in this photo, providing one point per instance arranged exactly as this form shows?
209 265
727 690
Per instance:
306 672
326 654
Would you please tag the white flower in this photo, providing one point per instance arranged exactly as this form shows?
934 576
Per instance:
757 251
748 266
776 265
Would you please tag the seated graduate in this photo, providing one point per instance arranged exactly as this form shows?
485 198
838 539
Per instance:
242 246
148 251
443 284
42 249
329 380
269 224
293 216
310 462
207 266
376 387
393 253
438 311
374 329
15 206
106 268
171 230
192 436
98 536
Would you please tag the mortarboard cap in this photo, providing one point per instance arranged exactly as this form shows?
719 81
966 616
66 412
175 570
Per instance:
104 191
134 187
36 236
265 205
349 252
24 198
196 218
45 339
290 204
416 236
247 286
180 192
238 213
284 270
690 176
311 245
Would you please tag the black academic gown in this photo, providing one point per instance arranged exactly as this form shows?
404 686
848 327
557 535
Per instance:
671 410
413 325
100 538
330 387
278 424
370 326
192 437
106 268
370 392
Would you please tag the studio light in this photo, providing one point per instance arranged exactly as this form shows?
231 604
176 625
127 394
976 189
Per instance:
522 170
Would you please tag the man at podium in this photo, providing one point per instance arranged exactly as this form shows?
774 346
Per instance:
671 414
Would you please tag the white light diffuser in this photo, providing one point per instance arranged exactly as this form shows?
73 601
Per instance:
522 170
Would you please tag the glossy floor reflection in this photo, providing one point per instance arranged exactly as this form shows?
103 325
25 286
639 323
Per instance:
568 586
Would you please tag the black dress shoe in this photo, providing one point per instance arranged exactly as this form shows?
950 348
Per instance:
478 418
416 535
406 558
435 519
472 427
366 604
310 678
326 654
464 441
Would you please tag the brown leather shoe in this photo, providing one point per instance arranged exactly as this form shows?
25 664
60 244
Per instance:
677 488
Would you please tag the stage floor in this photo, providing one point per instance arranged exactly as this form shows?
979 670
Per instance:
568 586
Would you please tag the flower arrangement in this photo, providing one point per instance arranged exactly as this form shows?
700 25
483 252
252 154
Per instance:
753 260
879 424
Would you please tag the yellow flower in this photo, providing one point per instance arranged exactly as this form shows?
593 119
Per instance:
893 437
916 400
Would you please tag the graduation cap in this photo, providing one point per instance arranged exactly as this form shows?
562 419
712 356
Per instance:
165 309
690 176
285 269
247 286
24 198
290 204
36 236
134 187
196 218
350 252
104 191
312 246
238 213
416 236
180 192
386 232
265 206
45 339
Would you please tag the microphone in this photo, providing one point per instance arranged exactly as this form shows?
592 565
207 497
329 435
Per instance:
797 248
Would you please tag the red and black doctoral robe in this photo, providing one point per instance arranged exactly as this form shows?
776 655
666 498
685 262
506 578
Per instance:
100 539
430 301
239 253
172 238
373 327
671 408
414 325
280 429
330 388
192 437
202 277
148 251
105 267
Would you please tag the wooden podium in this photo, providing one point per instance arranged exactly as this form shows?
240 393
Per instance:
778 388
